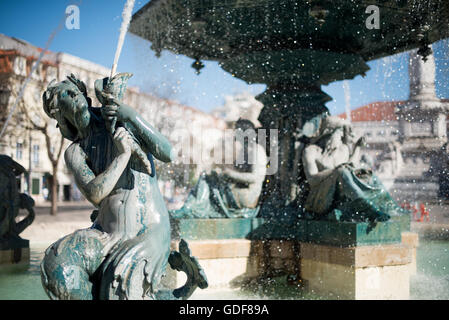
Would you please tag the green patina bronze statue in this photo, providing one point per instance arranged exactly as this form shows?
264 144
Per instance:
11 202
233 193
342 187
124 254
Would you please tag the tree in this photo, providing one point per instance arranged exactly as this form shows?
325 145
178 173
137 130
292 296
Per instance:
30 109
17 124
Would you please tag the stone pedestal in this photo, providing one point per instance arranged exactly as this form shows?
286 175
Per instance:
333 259
357 260
366 272
350 234
411 240
204 229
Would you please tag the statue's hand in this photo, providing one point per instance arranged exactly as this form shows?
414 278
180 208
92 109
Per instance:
226 172
345 164
361 142
123 140
126 144
137 150
111 110
111 113
109 98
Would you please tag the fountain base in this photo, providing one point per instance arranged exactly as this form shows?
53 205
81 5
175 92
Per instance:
362 272
352 261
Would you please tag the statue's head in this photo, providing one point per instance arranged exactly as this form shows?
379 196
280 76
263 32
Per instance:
245 132
336 138
332 123
333 131
68 103
244 124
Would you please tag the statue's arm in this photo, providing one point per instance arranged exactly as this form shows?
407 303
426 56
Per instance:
153 140
313 175
94 188
356 154
257 174
239 177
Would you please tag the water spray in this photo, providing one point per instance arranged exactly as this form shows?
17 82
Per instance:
126 19
347 100
126 16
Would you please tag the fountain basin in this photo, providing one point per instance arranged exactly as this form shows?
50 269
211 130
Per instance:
347 260
22 282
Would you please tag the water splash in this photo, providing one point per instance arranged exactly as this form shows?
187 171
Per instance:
126 16
429 287
347 99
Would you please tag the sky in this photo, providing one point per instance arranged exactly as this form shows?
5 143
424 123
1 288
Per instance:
171 76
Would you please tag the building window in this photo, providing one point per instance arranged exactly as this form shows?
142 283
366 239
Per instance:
35 186
4 96
35 154
19 150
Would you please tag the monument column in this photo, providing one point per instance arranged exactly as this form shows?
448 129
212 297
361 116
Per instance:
422 131
422 120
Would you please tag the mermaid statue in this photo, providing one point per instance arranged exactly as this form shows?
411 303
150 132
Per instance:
233 192
341 186
124 254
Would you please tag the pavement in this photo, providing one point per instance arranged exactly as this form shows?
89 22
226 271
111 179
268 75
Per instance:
46 228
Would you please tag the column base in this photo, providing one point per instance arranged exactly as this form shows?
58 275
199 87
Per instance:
380 272
411 240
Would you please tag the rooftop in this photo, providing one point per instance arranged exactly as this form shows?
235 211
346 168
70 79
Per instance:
377 111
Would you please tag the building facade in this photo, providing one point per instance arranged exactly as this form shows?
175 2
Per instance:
406 139
242 105
188 129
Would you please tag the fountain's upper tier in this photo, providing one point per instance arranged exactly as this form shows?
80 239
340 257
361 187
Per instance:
262 40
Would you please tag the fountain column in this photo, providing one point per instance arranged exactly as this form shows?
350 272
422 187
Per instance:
295 110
